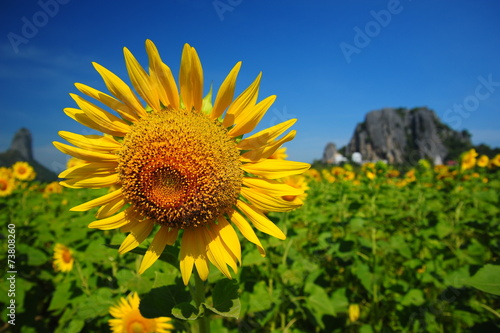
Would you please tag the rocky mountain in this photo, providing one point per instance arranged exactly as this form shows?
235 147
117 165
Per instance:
21 149
403 136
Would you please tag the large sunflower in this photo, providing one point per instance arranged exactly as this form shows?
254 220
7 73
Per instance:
178 163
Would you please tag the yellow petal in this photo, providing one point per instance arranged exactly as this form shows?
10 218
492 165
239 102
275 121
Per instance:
200 258
123 110
92 182
225 93
231 254
120 90
167 87
247 120
115 221
112 124
274 169
271 187
229 237
131 225
91 169
215 251
259 220
264 137
82 118
191 79
245 99
266 202
266 151
246 230
137 235
98 201
141 81
163 237
187 255
111 207
91 142
85 155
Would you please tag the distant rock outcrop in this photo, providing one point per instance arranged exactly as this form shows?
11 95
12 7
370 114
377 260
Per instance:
23 143
21 149
329 153
402 136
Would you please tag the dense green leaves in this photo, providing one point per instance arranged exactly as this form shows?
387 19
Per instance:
414 257
486 279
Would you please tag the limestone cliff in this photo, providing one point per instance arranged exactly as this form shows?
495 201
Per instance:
402 136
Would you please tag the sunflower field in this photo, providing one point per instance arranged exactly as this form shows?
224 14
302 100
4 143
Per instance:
372 249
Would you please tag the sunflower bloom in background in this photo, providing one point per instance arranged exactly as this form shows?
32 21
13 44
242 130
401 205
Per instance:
7 182
279 154
370 175
299 182
128 318
495 161
63 258
52 188
483 161
179 162
468 160
73 162
410 176
313 174
23 171
353 312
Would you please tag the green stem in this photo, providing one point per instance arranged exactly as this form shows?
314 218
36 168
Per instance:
374 253
199 298
83 279
484 306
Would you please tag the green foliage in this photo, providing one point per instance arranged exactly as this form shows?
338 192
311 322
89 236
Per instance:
416 256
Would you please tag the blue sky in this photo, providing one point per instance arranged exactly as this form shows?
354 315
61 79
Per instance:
329 62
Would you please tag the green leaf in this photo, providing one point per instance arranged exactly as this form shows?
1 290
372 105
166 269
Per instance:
319 303
164 279
365 329
357 224
35 256
486 279
186 311
399 245
133 281
413 297
225 299
61 296
259 299
96 305
339 300
443 229
457 277
362 271
75 326
159 302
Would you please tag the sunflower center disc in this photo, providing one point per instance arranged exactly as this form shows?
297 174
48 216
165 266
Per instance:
180 169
